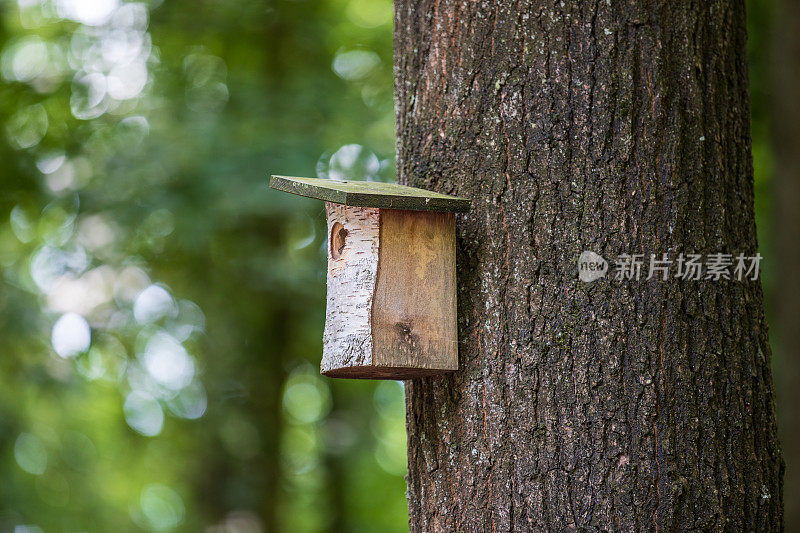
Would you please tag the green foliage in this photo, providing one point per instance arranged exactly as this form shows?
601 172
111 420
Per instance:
161 309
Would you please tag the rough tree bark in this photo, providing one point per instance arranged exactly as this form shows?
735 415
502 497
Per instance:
617 127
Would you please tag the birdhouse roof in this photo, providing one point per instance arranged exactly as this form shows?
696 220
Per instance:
370 194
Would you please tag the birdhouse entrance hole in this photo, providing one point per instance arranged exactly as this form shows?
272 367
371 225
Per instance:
337 240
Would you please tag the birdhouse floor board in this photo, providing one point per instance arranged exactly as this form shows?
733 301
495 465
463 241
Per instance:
370 194
376 372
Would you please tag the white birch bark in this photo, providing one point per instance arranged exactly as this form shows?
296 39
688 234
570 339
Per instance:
347 341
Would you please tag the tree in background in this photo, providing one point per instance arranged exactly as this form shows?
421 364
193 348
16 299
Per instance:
615 127
784 69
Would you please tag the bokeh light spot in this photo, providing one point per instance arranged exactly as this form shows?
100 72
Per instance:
166 360
88 12
28 528
190 403
353 161
88 98
306 398
71 335
47 164
49 263
25 60
21 224
127 81
27 126
30 453
152 303
355 64
143 413
162 508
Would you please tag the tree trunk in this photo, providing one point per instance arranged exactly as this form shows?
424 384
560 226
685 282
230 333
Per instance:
614 127
785 88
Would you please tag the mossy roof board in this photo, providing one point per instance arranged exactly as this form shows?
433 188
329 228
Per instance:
370 194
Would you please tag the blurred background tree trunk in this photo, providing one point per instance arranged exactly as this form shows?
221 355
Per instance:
616 127
785 92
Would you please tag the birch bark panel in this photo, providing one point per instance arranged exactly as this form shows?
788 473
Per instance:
347 341
414 322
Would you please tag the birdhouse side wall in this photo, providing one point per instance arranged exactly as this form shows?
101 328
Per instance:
351 280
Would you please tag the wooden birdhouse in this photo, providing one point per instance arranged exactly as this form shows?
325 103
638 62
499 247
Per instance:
391 305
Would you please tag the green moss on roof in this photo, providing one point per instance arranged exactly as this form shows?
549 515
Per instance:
370 194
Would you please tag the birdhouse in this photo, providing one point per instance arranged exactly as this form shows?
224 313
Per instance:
391 304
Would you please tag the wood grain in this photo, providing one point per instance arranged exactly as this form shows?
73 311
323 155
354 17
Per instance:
413 316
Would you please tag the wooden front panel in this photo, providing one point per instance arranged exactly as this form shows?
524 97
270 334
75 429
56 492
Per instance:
414 308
